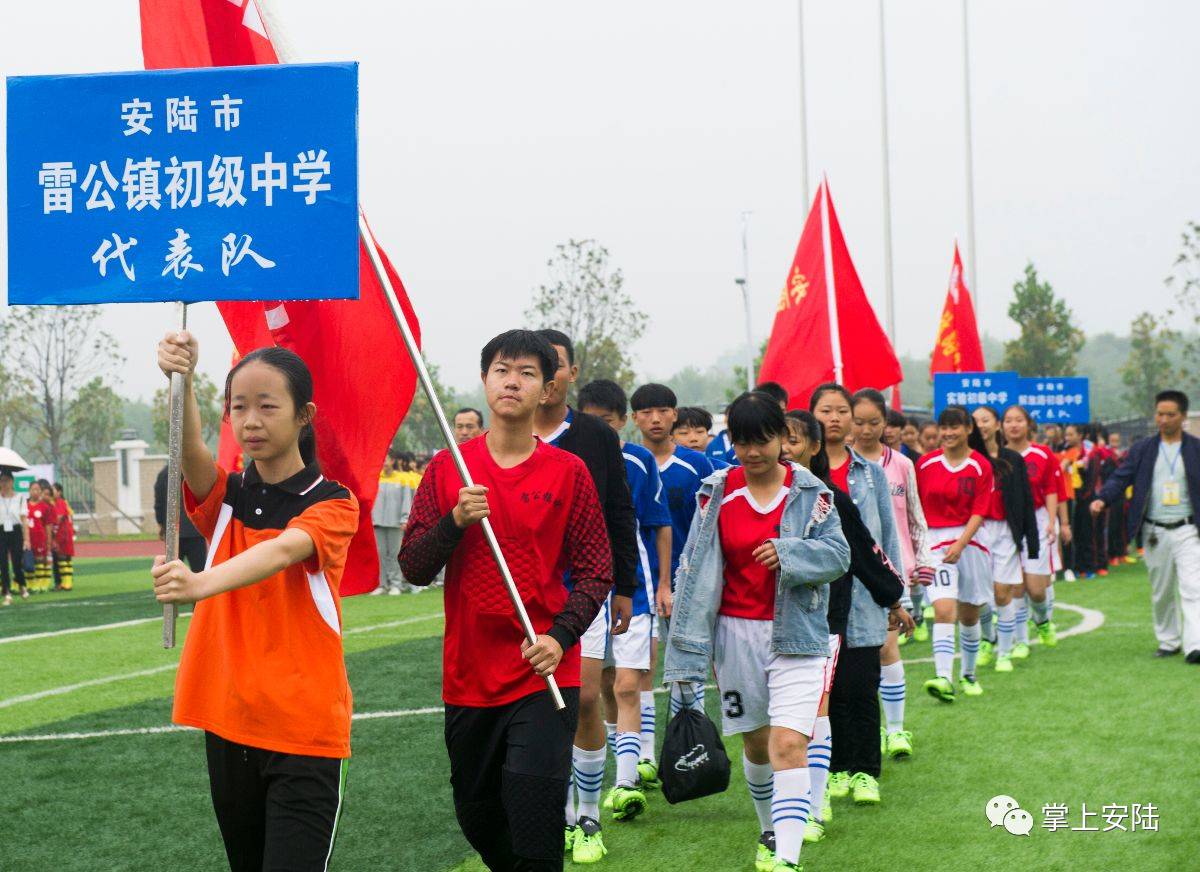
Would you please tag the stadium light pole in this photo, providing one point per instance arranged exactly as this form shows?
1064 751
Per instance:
742 282
889 298
803 107
970 163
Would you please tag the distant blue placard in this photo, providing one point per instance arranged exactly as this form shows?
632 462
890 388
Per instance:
1058 400
235 183
974 389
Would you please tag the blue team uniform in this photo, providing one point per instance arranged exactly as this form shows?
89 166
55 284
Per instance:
720 448
681 476
650 512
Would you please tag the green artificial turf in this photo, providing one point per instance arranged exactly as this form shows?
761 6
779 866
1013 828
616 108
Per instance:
1097 721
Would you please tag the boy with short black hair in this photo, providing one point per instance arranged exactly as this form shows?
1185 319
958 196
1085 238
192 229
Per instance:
692 426
510 751
775 391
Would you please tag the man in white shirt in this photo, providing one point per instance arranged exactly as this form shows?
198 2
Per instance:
14 537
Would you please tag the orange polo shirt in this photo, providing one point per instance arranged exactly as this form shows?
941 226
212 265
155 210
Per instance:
263 665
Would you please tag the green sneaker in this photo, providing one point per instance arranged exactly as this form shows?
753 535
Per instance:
902 640
608 799
985 653
866 789
1004 663
940 688
785 866
589 843
839 784
1048 633
1020 651
570 838
648 779
882 740
899 744
814 831
826 808
928 613
970 686
921 633
628 803
764 852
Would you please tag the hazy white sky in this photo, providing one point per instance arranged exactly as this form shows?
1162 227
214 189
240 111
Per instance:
492 131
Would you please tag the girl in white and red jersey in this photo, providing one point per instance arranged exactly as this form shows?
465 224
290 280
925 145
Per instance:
1042 468
870 419
955 486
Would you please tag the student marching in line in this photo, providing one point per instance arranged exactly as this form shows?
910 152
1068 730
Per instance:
955 483
870 416
1009 524
681 472
64 541
41 534
1040 464
928 438
752 596
262 671
868 564
1089 472
14 538
856 761
510 750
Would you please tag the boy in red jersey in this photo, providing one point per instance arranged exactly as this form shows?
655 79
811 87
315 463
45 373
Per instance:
510 752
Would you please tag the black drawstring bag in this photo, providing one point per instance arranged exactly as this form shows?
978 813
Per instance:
693 762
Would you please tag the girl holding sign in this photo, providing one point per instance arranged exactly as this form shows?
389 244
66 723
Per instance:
955 485
262 671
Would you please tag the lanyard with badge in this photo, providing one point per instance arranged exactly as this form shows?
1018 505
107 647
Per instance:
1171 492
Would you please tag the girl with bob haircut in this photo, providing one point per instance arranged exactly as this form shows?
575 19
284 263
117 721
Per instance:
262 671
751 596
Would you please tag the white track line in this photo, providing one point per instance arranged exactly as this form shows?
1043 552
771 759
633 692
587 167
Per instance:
95 682
1092 620
50 634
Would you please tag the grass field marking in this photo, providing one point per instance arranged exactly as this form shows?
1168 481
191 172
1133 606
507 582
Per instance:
98 734
392 624
50 634
68 688
1093 619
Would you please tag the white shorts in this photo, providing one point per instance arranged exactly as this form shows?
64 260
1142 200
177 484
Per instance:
594 644
970 579
759 688
1006 559
835 645
631 649
1045 564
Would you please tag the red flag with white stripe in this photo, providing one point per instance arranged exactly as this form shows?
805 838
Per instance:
362 376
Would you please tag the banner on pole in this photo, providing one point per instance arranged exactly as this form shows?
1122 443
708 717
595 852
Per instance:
974 389
232 183
1058 400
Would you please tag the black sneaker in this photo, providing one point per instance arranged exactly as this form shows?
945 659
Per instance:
1193 656
764 857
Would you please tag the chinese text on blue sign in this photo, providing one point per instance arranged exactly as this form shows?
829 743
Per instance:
1058 400
237 183
974 389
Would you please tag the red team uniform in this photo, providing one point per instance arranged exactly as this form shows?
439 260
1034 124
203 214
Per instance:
41 519
1045 477
950 495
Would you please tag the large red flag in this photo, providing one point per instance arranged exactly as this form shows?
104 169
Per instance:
957 348
362 377
825 329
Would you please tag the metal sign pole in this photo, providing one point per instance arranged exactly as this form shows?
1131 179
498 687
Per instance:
174 484
451 444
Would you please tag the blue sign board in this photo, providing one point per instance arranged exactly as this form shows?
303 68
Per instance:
234 183
974 389
1057 400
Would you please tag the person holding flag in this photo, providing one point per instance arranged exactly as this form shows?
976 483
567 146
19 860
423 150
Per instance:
510 750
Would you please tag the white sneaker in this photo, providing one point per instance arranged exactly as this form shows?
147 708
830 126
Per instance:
8 599
377 591
395 591
1068 575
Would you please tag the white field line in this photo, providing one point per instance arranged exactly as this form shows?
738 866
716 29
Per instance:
50 634
109 679
1092 620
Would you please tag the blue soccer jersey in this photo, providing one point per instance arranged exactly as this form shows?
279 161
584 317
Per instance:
681 476
650 512
720 448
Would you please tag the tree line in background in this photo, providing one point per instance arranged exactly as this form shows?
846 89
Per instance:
58 402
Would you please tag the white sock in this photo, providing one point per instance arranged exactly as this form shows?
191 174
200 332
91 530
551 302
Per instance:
629 746
569 812
589 777
675 697
760 779
968 641
789 812
1004 628
943 650
987 623
1021 621
649 711
698 701
891 691
694 696
1041 610
610 730
1050 603
820 749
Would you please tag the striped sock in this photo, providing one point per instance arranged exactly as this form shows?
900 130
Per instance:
987 623
1004 628
943 650
694 695
820 750
629 745
676 698
589 777
1021 621
1041 610
968 641
891 691
610 730
789 812
649 711
698 700
760 779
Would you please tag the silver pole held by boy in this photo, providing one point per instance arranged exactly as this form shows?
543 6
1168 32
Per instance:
174 484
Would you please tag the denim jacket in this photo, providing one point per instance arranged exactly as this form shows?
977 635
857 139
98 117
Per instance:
868 484
812 553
